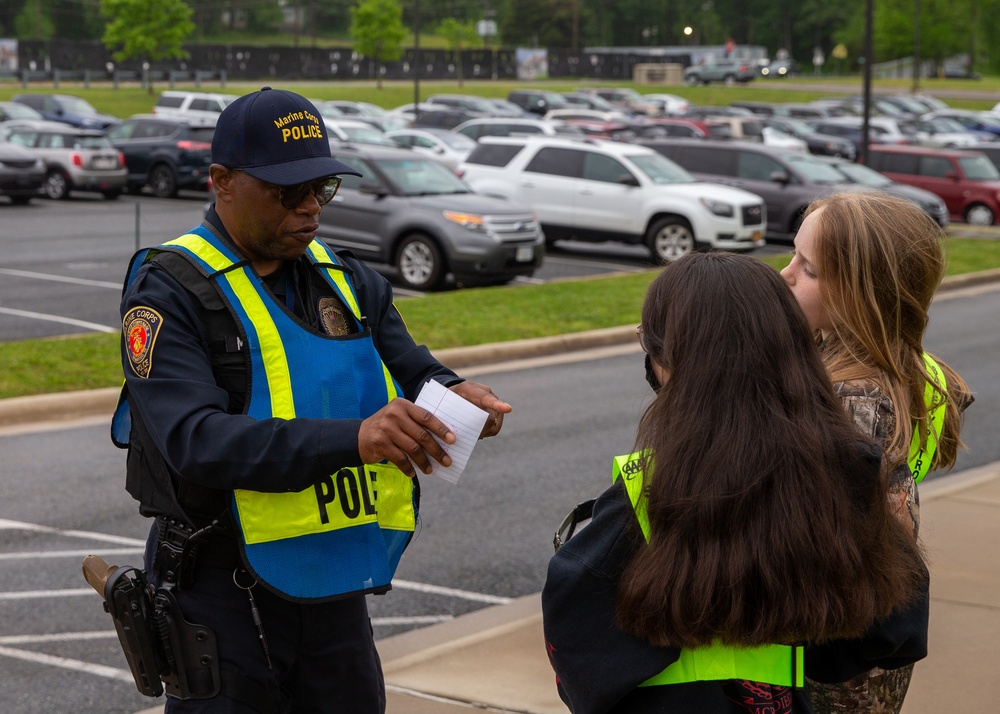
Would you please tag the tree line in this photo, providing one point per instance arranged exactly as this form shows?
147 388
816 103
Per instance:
943 28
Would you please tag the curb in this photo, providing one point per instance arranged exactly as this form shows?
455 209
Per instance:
101 402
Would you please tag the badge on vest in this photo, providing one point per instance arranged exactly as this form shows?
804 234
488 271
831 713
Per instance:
141 325
331 314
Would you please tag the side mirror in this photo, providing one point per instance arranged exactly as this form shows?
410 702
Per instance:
627 180
376 189
779 177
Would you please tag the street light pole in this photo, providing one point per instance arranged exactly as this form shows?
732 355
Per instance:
916 47
416 60
868 81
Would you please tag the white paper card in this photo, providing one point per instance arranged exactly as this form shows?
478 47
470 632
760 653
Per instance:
465 420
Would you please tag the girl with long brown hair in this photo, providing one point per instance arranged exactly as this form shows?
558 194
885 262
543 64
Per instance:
748 538
865 270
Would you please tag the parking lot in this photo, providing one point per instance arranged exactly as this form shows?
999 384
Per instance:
62 262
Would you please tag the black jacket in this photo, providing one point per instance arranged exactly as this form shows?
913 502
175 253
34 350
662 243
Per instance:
598 666
188 420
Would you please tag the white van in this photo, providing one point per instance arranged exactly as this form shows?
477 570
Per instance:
201 108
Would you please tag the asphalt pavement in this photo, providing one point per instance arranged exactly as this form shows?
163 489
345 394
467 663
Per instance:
494 660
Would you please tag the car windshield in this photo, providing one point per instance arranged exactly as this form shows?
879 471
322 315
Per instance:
794 126
92 142
946 124
660 169
77 106
979 168
372 110
13 110
815 170
366 135
421 177
457 141
859 173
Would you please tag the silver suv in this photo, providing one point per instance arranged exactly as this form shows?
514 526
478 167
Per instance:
411 212
729 71
75 159
605 190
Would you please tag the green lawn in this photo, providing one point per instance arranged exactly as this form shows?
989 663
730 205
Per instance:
449 319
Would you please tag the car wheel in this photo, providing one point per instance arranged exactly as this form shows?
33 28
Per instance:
56 185
162 181
979 215
419 262
692 80
670 239
730 80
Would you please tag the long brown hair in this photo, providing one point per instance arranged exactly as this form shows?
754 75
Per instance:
880 261
768 520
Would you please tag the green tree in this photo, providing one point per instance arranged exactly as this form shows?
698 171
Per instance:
138 29
34 22
378 32
458 36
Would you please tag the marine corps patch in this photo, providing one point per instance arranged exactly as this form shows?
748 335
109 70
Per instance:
141 325
331 314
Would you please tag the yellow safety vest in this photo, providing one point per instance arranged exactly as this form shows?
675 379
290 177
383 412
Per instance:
780 665
922 454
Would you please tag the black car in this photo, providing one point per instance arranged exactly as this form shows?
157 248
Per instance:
818 143
165 154
538 101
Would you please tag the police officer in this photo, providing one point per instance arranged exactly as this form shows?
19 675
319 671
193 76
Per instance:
270 429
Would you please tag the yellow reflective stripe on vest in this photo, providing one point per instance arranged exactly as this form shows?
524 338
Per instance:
279 379
921 455
629 469
339 279
349 497
780 665
337 276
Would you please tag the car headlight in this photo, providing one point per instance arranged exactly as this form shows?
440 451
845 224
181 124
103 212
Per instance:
718 207
472 221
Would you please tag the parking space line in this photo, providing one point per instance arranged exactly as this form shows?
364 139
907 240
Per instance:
7 524
60 319
35 555
67 663
56 637
61 279
450 592
34 594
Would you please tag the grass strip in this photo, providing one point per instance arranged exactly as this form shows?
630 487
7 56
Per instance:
450 319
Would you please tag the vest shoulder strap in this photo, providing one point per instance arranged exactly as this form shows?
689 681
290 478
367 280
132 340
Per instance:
922 451
780 665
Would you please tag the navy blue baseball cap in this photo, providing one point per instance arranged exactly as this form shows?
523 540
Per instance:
276 136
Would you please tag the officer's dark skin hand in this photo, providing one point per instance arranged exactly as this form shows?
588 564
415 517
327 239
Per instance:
401 431
484 398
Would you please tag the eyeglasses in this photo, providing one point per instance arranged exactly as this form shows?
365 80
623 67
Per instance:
291 197
640 335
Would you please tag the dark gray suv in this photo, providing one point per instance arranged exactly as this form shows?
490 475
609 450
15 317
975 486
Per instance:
411 212
787 180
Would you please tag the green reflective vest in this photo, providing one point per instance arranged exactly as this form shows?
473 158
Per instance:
780 665
922 453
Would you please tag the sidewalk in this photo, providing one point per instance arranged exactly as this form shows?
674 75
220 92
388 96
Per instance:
493 660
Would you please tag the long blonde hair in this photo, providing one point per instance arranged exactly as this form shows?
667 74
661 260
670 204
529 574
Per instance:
880 261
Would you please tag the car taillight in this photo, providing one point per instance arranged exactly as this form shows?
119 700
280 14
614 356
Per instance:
187 145
460 173
76 159
743 68
121 160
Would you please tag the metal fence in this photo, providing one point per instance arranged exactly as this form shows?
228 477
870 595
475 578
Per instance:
64 60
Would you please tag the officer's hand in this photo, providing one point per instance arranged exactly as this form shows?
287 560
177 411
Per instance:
484 398
401 431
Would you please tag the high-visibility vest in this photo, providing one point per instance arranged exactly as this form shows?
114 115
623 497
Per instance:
346 533
780 665
922 453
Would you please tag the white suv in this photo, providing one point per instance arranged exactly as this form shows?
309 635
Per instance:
198 108
601 190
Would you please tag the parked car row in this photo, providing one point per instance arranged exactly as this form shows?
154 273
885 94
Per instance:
480 200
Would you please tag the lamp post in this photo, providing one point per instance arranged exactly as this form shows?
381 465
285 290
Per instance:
416 60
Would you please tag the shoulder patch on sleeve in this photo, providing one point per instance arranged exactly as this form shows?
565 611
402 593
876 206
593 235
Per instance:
141 325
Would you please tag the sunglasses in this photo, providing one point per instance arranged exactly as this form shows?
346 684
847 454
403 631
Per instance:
291 197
